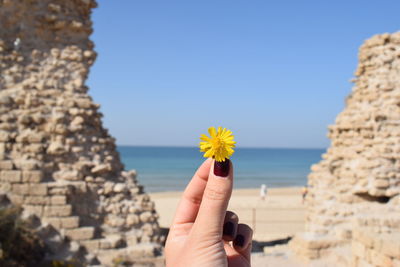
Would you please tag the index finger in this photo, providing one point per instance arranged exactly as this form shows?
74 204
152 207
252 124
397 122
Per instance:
191 199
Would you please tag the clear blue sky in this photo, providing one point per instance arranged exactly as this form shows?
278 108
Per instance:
274 72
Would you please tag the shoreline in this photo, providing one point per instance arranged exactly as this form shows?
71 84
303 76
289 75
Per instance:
279 216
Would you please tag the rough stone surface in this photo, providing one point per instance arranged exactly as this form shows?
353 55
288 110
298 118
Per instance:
357 183
58 246
56 158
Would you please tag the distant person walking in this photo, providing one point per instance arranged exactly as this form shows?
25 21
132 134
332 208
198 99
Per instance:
304 192
263 191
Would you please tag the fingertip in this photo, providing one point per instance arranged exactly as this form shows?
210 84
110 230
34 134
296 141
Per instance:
204 169
243 240
229 228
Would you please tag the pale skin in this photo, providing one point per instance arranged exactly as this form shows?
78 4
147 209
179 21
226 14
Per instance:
199 235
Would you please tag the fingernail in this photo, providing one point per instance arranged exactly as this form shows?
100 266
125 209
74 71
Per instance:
239 241
221 168
229 229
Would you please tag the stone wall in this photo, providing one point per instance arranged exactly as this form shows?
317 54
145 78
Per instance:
56 159
360 172
370 248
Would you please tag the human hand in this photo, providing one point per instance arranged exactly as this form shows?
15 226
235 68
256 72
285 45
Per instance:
202 229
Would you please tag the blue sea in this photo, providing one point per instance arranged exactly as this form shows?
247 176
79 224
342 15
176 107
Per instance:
171 168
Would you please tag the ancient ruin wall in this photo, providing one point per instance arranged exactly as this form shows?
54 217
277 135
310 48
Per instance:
357 183
56 159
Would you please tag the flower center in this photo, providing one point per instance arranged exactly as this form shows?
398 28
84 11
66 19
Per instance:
217 143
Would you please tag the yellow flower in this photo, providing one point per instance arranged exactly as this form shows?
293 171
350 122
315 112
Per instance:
219 145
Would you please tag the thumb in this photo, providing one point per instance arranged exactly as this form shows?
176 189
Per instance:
215 200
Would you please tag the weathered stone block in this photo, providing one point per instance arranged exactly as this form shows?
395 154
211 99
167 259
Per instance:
91 245
391 246
10 176
35 209
149 206
35 137
132 219
69 175
358 249
147 229
6 165
318 244
381 183
104 244
55 221
111 241
58 200
38 189
56 147
142 251
365 239
78 120
376 192
16 199
100 169
114 221
82 233
131 240
29 164
5 187
146 217
377 243
59 210
59 190
37 200
32 176
380 259
34 148
78 186
20 189
70 222
119 187
146 238
354 261
4 136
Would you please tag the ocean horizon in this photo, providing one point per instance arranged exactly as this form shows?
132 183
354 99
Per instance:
163 169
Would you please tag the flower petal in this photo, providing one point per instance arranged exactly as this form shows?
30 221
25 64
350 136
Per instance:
212 131
208 154
204 137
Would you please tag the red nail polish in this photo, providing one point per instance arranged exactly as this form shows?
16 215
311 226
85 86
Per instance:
239 241
222 168
229 229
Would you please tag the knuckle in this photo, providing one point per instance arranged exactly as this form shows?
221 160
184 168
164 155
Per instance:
193 199
214 193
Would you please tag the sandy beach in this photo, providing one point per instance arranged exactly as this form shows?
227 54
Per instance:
279 216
